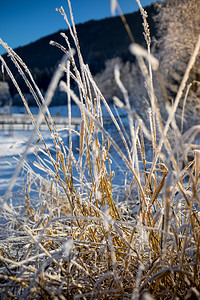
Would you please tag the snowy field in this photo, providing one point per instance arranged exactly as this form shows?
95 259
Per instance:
13 144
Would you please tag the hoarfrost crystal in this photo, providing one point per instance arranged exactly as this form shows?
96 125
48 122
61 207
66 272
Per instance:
67 247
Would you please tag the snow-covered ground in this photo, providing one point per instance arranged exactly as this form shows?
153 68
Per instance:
13 144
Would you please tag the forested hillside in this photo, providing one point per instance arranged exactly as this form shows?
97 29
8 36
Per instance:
99 41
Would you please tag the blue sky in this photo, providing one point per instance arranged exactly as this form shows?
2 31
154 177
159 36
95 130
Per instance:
25 21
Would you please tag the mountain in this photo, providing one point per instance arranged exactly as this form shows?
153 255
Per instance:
99 41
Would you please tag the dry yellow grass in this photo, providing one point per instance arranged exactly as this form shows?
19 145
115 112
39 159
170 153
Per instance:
76 241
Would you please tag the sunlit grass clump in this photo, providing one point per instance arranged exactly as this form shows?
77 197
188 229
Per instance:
79 234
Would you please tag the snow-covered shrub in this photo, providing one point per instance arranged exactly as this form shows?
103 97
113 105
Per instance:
5 96
178 24
132 79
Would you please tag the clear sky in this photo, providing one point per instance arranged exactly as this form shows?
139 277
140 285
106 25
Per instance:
25 21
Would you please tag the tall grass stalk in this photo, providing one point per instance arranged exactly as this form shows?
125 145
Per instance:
70 238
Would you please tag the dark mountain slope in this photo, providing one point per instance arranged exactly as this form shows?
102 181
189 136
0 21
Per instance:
99 41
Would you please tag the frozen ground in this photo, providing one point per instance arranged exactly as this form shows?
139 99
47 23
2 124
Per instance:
13 144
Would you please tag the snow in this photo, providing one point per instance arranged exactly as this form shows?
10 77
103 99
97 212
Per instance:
13 144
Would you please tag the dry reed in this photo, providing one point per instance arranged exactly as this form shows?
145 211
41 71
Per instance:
72 239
